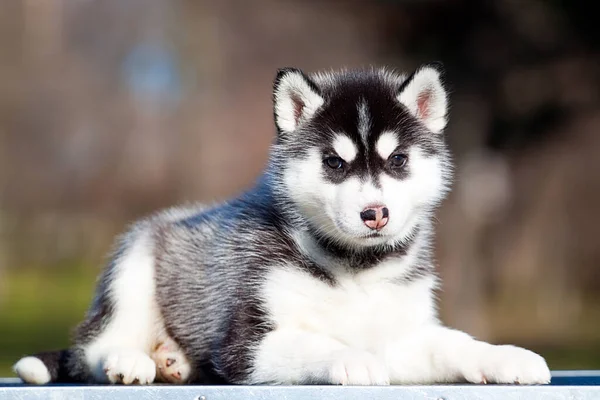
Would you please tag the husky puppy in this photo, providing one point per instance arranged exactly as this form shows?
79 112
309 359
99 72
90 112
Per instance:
322 273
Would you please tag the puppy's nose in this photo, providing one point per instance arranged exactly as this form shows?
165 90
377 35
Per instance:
375 217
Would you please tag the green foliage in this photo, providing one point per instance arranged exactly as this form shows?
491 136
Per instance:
39 309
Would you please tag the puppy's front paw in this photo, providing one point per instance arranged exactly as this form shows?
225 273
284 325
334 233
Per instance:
129 366
506 364
357 367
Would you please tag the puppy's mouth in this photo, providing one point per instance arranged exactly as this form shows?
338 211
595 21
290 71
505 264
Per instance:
371 235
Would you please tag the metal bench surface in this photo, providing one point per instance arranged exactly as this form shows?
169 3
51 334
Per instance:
565 385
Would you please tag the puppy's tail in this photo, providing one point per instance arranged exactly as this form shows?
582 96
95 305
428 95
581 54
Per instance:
42 368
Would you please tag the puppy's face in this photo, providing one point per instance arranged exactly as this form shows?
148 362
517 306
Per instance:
362 153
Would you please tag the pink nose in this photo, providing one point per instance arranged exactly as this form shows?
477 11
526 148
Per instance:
375 217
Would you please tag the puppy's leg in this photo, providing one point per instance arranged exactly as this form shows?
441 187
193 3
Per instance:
438 354
120 352
289 356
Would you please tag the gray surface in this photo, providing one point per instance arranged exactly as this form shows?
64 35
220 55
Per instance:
566 385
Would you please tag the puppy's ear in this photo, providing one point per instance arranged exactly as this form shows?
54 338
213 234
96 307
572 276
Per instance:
296 98
424 95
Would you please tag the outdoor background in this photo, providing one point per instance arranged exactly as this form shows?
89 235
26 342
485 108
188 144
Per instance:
112 109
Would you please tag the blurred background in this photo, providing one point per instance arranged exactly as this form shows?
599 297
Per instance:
112 109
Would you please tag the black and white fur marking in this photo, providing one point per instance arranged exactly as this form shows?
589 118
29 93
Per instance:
322 273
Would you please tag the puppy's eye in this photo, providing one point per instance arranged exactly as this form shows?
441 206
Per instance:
398 160
334 162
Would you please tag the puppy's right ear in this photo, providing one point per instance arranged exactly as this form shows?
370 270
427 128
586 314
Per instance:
296 98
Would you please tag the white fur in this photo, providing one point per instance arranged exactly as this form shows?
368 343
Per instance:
426 81
297 301
345 148
319 326
386 144
438 354
304 180
356 367
291 89
335 209
406 198
124 345
32 370
368 330
129 365
364 121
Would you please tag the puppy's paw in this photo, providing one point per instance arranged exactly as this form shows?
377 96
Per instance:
506 364
129 367
357 367
171 364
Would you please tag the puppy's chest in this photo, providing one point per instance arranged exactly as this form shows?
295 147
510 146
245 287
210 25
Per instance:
354 311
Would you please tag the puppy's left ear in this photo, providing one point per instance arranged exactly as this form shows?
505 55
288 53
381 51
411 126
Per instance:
296 98
425 97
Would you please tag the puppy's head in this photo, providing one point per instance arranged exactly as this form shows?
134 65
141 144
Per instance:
361 154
